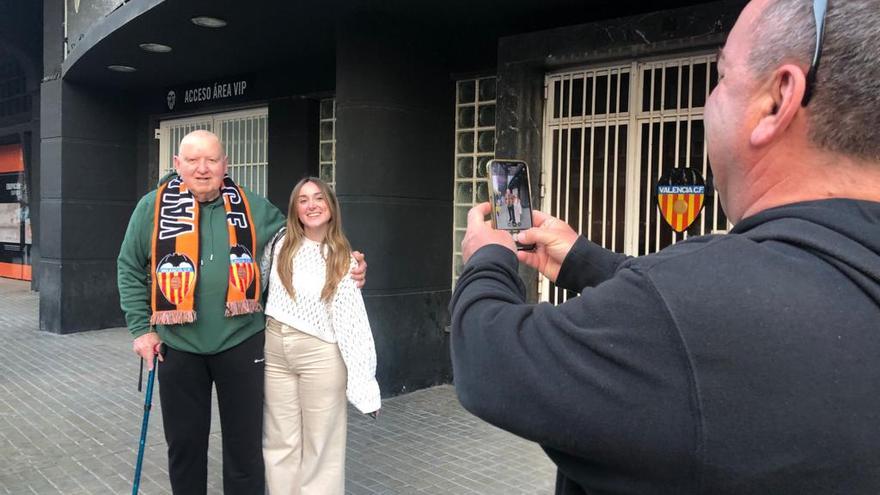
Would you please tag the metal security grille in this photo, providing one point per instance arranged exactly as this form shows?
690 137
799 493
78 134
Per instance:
327 141
671 135
474 147
610 133
245 140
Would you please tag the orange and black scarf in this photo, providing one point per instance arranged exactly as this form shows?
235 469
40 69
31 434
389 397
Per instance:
175 252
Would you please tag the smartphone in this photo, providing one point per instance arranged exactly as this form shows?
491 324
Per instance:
511 197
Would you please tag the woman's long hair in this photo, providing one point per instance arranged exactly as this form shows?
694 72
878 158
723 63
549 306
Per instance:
335 247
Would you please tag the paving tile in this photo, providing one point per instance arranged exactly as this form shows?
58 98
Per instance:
70 418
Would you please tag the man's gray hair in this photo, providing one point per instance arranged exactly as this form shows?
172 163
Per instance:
844 112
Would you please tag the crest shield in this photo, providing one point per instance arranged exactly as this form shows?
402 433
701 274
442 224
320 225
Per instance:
241 268
176 277
680 197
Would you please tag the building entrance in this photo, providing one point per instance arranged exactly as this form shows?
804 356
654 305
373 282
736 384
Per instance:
245 138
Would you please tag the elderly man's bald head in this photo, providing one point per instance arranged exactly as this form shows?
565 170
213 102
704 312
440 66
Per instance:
199 136
201 164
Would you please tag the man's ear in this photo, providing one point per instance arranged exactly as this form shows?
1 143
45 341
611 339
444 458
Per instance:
779 103
176 161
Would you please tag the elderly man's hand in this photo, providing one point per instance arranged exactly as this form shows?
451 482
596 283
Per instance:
359 274
553 239
146 346
480 232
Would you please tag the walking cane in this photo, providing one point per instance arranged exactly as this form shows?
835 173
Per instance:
148 404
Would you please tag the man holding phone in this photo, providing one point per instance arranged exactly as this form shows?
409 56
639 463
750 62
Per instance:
738 363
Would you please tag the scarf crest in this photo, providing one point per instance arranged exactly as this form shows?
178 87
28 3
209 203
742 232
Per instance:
175 251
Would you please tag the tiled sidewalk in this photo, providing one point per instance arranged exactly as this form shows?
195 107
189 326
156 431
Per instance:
70 418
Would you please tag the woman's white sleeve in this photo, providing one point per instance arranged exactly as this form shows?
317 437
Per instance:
355 340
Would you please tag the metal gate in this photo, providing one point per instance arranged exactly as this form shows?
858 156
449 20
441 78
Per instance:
609 135
245 140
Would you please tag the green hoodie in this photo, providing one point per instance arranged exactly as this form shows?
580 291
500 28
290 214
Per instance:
212 332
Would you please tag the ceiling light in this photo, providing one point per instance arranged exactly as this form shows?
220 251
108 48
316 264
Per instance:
155 47
208 22
121 68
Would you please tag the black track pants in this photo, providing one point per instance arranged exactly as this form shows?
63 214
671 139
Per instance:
185 381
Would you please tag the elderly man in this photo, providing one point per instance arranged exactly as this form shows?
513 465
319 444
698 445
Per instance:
738 363
187 278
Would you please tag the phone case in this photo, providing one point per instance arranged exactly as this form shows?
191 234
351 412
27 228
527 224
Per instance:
510 195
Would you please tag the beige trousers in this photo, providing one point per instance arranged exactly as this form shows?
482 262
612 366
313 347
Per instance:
304 421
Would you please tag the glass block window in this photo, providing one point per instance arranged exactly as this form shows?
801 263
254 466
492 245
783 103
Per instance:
327 142
474 147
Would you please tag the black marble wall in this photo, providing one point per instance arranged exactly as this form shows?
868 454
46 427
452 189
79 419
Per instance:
87 189
293 146
394 106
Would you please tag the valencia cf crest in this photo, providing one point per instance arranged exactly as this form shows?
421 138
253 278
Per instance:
680 194
241 267
176 277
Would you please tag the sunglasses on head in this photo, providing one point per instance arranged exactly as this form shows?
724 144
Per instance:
819 9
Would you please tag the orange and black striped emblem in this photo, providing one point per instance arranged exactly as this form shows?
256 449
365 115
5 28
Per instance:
241 268
176 277
680 195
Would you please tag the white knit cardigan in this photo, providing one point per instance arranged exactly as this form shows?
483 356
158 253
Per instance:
343 321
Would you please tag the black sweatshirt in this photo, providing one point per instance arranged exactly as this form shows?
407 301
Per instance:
739 363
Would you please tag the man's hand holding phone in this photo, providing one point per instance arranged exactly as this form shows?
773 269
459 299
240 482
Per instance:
510 196
480 232
553 239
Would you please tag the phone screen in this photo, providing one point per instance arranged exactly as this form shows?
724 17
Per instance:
511 198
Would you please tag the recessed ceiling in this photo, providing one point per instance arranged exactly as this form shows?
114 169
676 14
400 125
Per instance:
301 33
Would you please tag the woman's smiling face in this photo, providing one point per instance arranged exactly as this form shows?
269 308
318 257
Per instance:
312 208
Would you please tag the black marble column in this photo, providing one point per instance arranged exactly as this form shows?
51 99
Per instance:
87 193
293 146
394 107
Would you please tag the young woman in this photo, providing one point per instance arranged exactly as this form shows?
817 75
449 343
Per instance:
319 348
